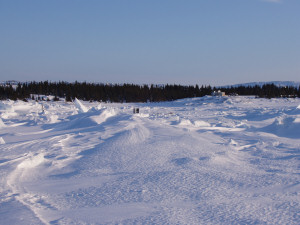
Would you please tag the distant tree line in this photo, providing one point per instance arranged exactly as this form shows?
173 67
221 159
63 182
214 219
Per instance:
265 91
133 92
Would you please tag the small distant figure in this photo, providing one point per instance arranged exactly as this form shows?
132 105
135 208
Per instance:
136 110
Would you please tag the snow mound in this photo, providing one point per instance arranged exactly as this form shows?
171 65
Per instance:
103 116
83 120
1 123
24 107
200 123
52 119
294 111
32 162
197 123
143 115
229 101
233 142
80 107
6 107
99 106
2 141
137 134
243 125
185 122
285 126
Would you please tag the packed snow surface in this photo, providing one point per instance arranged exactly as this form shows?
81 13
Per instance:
210 160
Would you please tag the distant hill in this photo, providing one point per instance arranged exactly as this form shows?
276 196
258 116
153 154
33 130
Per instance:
277 83
9 82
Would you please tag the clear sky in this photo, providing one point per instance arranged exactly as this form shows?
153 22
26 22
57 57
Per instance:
150 41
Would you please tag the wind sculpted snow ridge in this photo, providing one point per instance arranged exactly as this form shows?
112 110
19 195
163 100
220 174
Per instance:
210 160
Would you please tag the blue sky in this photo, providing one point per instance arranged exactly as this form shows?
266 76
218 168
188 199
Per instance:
156 41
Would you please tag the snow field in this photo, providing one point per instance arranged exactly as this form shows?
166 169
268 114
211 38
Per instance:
210 160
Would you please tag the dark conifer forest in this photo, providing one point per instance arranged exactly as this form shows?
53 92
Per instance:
133 92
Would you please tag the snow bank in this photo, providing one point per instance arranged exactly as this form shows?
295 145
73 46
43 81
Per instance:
91 118
24 107
185 122
5 107
104 115
285 126
7 110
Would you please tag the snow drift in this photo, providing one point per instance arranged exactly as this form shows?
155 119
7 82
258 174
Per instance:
285 126
208 160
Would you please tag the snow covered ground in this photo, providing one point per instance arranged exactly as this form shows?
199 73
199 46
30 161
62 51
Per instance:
210 160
